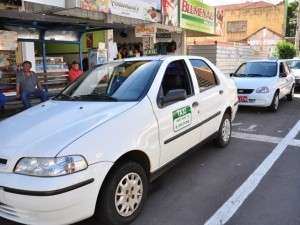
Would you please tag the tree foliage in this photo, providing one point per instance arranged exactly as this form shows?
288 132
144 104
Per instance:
285 50
291 23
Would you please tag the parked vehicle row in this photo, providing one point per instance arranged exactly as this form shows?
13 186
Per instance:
94 148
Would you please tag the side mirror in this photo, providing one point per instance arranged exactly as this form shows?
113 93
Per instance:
283 74
231 74
173 95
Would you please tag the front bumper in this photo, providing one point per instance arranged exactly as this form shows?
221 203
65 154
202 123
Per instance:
51 201
258 100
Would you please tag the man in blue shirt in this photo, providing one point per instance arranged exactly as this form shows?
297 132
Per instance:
28 85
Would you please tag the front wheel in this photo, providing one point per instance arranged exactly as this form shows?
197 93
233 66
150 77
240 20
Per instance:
275 103
123 195
290 96
224 133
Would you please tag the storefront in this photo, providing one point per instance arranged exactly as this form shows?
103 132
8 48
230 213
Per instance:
51 43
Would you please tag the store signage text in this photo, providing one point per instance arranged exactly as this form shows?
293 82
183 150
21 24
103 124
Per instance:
124 6
197 16
145 30
197 10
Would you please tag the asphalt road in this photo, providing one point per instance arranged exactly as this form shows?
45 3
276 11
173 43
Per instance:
196 188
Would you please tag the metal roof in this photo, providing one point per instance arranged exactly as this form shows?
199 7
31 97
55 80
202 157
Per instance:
49 22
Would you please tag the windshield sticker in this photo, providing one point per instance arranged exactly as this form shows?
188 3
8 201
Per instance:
182 118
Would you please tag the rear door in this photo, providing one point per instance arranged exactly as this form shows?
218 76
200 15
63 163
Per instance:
176 120
210 96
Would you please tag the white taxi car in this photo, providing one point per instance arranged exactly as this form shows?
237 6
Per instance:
263 83
93 149
294 65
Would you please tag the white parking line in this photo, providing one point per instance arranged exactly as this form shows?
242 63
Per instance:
263 138
229 208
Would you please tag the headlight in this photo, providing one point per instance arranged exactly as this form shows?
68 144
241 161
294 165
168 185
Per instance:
50 167
263 90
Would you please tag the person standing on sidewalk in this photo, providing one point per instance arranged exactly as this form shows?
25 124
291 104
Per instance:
2 101
29 86
2 97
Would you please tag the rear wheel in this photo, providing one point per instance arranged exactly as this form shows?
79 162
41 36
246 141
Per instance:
224 133
123 195
275 103
290 96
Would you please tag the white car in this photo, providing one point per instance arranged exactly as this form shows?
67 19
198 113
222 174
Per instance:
93 149
294 65
263 83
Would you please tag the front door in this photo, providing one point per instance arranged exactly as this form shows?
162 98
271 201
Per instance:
177 119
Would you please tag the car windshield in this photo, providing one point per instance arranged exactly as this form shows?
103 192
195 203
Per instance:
116 81
294 64
257 69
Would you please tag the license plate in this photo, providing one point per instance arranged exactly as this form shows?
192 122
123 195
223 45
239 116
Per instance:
243 98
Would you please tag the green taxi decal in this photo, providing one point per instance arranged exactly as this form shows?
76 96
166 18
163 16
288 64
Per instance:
182 118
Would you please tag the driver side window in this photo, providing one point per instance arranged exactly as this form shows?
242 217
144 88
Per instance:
176 77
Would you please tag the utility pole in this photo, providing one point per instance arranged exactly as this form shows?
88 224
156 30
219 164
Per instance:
297 38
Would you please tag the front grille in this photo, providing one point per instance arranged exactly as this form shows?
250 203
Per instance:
245 91
3 161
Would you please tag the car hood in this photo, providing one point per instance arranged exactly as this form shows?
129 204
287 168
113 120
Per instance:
296 72
253 83
46 129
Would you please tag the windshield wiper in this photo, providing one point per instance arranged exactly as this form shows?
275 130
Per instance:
95 98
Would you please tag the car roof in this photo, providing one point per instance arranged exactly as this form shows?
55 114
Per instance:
265 60
154 58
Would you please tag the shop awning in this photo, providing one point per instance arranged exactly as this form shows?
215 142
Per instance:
49 22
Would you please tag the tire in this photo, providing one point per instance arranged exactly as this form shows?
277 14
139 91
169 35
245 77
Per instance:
224 134
290 96
275 103
107 211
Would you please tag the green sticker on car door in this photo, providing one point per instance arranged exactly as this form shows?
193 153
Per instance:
182 118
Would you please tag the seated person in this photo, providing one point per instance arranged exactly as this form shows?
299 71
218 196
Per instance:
2 101
75 71
28 85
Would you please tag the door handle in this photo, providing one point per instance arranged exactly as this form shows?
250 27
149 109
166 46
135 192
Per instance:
195 104
221 92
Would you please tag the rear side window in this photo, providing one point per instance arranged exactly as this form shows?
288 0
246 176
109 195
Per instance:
205 75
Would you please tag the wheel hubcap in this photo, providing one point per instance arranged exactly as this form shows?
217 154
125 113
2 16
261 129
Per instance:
226 130
129 194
